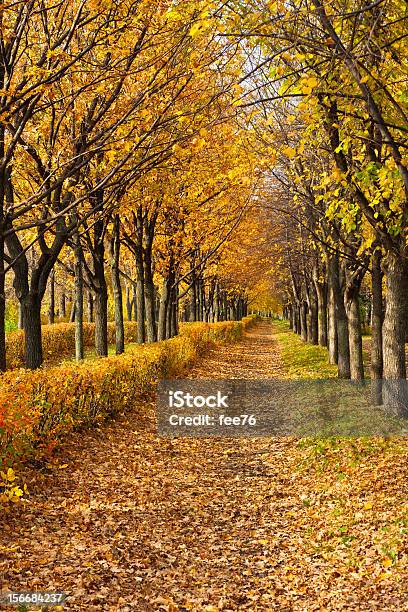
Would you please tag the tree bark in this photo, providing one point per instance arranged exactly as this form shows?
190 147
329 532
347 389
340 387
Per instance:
332 338
72 312
90 305
164 327
2 267
303 320
342 328
140 292
62 305
217 303
321 292
101 323
79 300
51 306
134 301
355 339
174 312
2 294
129 303
312 319
20 317
193 301
101 291
116 287
149 293
394 331
164 304
31 307
376 329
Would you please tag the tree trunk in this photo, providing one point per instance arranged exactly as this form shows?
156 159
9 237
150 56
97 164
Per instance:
321 291
164 304
193 302
2 296
217 303
394 331
164 325
2 267
72 313
150 293
101 291
90 305
31 307
294 317
140 297
355 340
51 307
101 322
20 317
332 338
312 320
79 301
376 324
116 287
303 321
62 305
129 303
342 329
134 301
169 315
174 312
149 303
202 299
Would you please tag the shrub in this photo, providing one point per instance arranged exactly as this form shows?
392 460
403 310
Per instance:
37 408
59 341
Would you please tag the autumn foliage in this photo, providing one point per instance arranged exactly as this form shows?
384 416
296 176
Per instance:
39 407
59 341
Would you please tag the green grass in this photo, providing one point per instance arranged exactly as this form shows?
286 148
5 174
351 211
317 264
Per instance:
329 408
302 360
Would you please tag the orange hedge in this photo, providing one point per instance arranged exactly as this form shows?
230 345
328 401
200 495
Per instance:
59 341
37 408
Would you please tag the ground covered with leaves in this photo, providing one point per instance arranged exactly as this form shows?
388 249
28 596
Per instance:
125 520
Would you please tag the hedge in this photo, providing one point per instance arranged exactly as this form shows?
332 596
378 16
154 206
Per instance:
38 408
58 341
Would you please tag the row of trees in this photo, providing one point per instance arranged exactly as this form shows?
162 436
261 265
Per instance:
124 162
327 85
158 143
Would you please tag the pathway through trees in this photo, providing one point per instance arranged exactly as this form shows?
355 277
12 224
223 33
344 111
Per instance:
127 521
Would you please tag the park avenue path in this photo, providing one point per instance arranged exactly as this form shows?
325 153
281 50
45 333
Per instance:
125 520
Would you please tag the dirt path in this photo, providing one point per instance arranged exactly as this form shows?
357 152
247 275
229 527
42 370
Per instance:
134 522
255 357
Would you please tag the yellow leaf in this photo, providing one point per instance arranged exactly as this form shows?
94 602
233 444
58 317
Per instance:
368 506
312 82
198 27
289 152
384 576
387 562
62 467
